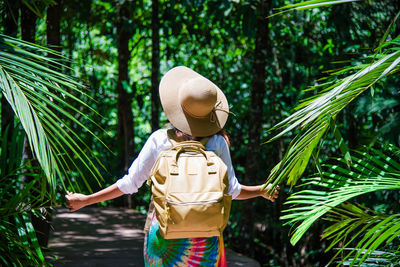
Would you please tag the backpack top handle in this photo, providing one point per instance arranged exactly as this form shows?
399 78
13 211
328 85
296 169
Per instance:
194 146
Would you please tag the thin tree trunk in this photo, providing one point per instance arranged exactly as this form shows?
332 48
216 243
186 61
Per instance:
53 20
397 9
28 24
92 77
155 65
259 87
125 133
42 226
53 37
10 20
258 91
70 44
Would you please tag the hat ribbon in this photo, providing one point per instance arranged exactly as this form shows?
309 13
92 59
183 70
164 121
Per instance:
213 116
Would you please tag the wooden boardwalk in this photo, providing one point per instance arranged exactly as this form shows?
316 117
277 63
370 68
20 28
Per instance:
95 236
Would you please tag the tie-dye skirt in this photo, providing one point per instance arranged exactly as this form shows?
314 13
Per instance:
204 251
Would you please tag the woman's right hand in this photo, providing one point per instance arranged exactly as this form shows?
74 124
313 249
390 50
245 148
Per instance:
76 201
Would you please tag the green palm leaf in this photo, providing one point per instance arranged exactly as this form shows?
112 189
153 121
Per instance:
37 9
324 195
314 115
366 228
30 121
311 4
18 241
371 171
315 3
44 101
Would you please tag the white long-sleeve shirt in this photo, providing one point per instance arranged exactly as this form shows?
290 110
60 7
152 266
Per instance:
158 141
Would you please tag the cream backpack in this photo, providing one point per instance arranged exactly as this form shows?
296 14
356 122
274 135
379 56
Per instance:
189 187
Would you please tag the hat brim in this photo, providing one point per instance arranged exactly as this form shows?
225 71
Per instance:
194 126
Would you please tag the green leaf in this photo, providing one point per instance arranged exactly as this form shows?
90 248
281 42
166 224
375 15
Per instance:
372 172
311 4
313 117
43 100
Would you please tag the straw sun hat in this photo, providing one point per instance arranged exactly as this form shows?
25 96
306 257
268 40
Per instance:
192 103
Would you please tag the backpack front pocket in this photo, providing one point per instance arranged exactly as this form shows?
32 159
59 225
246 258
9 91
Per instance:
202 216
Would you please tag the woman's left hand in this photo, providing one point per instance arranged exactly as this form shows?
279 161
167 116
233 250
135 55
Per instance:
270 196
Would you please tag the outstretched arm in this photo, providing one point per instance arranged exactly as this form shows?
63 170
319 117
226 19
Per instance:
257 191
136 176
76 201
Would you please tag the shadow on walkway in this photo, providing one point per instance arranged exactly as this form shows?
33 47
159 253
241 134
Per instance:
95 236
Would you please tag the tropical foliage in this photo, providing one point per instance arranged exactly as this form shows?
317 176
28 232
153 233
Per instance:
371 171
265 64
40 96
358 231
41 99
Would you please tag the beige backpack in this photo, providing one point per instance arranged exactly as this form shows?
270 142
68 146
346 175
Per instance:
189 187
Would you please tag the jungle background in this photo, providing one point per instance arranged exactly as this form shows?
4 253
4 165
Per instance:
74 117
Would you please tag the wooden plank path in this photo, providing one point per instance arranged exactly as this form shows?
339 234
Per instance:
96 236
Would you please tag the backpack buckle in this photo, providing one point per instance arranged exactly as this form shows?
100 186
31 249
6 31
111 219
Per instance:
174 170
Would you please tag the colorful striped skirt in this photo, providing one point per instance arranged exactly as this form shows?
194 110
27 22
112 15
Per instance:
204 251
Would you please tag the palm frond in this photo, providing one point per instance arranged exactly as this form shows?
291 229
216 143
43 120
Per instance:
375 258
368 230
46 103
15 247
44 100
18 241
311 4
313 116
371 171
28 236
30 121
36 6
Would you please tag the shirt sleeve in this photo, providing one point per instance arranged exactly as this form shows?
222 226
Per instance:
224 153
140 169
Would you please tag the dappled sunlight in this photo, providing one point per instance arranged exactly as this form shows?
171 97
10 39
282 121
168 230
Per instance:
95 236
73 216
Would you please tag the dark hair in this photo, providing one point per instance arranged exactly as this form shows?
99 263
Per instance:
187 137
224 134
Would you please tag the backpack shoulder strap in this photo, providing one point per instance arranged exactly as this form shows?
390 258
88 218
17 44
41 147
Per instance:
170 133
205 140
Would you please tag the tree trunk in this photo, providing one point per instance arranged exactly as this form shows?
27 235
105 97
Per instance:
28 24
10 18
53 34
53 20
155 65
10 22
125 132
258 91
397 9
70 44
262 47
42 226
